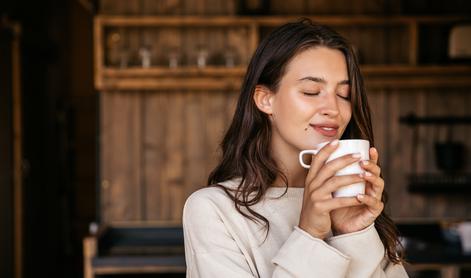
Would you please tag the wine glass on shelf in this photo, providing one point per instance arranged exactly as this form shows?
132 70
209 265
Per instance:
174 57
145 55
202 55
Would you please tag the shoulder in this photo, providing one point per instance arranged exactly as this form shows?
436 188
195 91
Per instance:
206 198
208 202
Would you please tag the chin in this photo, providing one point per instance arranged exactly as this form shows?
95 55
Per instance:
309 144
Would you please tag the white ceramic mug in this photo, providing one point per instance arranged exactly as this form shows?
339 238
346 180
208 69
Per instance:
347 146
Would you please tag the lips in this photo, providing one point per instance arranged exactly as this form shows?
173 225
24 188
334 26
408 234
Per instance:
328 130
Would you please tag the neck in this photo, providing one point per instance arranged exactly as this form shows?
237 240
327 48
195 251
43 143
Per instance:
286 158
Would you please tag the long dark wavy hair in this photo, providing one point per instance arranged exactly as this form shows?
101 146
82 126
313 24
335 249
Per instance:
246 144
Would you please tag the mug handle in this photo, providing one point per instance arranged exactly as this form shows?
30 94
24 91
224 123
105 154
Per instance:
301 156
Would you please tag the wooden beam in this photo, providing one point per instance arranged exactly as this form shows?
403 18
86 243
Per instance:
89 252
98 50
17 153
270 20
413 43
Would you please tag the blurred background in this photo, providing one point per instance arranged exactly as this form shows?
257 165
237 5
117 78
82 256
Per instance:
111 113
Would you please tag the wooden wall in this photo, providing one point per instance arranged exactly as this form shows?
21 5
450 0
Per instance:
394 141
157 147
220 7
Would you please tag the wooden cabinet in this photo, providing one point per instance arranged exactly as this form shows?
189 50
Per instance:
160 125
389 48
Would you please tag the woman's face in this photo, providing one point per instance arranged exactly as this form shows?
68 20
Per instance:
312 102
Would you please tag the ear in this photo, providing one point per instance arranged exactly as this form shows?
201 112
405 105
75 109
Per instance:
264 99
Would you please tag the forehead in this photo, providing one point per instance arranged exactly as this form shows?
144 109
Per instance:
322 62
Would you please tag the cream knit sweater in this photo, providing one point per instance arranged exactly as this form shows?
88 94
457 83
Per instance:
220 242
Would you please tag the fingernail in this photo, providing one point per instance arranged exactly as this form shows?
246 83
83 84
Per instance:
335 142
365 162
356 155
368 174
360 196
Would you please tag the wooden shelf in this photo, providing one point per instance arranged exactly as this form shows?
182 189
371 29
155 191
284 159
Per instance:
182 71
137 21
215 78
396 76
454 184
405 76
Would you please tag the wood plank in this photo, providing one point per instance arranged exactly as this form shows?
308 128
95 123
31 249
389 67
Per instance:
369 7
182 71
435 106
130 7
230 8
216 121
198 20
326 7
413 43
281 7
418 203
214 7
459 106
108 7
210 83
170 39
98 51
120 157
173 172
155 125
452 104
195 146
379 76
17 152
89 252
399 150
377 103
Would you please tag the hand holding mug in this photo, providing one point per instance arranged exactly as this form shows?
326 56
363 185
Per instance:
349 146
321 182
352 219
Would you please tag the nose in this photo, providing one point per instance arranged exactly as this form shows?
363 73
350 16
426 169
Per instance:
330 105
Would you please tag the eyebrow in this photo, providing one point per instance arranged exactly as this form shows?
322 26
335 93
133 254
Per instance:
322 80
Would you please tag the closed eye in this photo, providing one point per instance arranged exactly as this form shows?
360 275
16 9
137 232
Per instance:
345 98
311 93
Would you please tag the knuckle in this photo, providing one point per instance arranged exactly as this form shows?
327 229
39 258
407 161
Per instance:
318 206
381 205
381 183
330 166
333 180
313 198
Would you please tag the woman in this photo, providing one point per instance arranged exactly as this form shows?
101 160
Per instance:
263 215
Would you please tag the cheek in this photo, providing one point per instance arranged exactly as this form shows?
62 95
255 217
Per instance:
346 113
295 110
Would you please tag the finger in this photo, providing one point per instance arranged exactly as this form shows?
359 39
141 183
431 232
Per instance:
371 166
374 155
337 182
336 203
320 158
376 183
375 206
330 168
